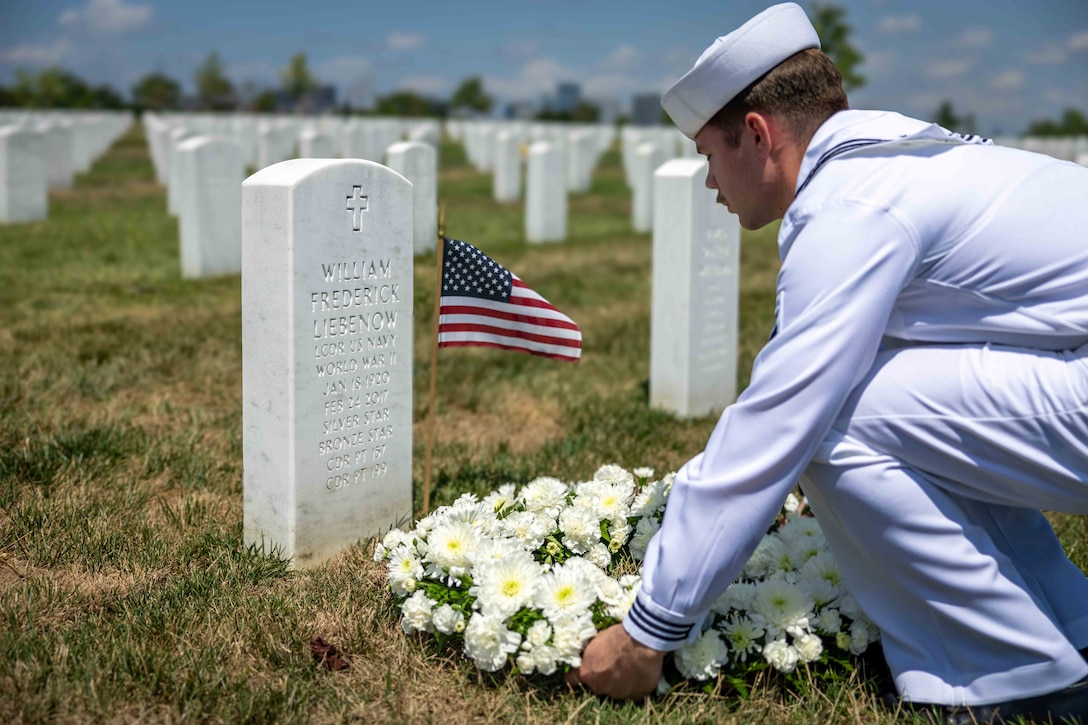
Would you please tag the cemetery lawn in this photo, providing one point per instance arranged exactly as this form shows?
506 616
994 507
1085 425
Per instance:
125 591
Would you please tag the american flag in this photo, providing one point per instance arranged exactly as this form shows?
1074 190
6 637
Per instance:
485 304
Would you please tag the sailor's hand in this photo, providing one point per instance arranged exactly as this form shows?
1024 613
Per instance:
616 666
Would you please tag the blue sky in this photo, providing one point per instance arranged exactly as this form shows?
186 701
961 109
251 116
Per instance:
1006 62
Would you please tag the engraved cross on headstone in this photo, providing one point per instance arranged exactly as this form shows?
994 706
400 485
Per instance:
357 204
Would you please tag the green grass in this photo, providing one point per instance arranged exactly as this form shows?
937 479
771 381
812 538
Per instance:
126 593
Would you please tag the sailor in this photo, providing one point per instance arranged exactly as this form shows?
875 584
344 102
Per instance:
927 376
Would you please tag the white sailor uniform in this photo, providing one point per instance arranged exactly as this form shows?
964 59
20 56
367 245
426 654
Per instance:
929 376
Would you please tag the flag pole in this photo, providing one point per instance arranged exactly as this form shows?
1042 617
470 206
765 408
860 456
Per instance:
434 358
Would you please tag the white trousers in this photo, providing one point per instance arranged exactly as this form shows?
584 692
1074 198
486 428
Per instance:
929 489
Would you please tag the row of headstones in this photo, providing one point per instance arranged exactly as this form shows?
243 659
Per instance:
568 152
45 150
1066 148
203 172
327 341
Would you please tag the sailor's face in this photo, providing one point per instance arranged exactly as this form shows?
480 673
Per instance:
734 173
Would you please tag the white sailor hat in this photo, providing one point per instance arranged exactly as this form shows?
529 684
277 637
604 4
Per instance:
735 61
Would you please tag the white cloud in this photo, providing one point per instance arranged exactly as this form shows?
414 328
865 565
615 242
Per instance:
426 85
624 57
405 41
949 68
1048 55
1078 41
36 54
1010 80
899 24
108 16
974 38
537 77
878 64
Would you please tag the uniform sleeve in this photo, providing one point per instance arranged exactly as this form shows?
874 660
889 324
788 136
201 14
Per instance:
836 290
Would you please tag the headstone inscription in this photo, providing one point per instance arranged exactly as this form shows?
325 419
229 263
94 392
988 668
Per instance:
326 355
696 257
210 172
418 162
546 193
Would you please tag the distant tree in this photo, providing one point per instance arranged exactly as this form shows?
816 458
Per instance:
584 112
407 103
1072 123
296 78
7 97
212 85
834 32
471 96
265 102
156 92
947 117
57 88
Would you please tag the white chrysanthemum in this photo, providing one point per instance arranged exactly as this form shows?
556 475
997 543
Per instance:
644 531
702 658
809 647
766 559
391 541
403 566
781 655
803 550
862 633
599 555
570 634
804 527
446 619
612 473
502 499
779 606
649 500
821 575
607 499
619 531
565 590
743 636
543 659
820 591
529 528
490 549
849 607
488 642
451 544
503 586
581 528
827 621
644 473
416 612
544 495
538 634
792 504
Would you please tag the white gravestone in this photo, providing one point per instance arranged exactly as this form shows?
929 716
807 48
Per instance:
326 355
546 194
418 162
210 206
274 144
24 193
648 158
696 257
313 144
507 182
356 141
581 158
59 155
173 141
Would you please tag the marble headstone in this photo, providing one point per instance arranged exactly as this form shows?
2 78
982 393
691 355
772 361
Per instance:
546 194
24 175
210 206
507 182
418 162
696 257
326 355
